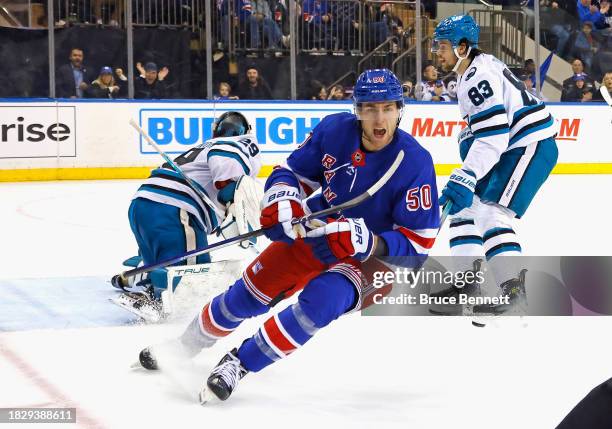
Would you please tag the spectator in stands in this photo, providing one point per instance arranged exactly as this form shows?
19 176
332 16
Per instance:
261 19
317 22
225 91
104 86
280 15
450 82
569 83
384 23
336 93
408 89
557 19
530 68
528 82
585 45
122 81
254 87
71 79
150 84
590 12
239 18
606 86
346 24
431 88
580 91
316 91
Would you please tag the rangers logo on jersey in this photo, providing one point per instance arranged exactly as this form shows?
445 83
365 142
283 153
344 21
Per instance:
329 194
328 161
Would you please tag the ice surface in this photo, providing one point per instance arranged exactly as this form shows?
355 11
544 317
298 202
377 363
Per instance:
64 344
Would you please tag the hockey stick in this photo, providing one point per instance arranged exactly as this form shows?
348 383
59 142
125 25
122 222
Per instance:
120 280
606 95
177 169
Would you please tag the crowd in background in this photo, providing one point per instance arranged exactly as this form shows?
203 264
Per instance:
576 30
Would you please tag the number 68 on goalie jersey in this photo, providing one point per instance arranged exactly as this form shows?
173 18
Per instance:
500 112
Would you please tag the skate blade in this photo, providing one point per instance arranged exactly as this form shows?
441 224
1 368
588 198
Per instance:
149 315
207 396
500 321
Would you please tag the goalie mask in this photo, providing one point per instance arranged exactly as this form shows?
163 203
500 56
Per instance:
231 124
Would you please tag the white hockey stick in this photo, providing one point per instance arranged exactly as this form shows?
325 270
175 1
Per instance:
176 168
120 280
606 95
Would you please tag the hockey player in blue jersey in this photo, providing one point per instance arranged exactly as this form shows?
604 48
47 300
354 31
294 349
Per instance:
508 151
344 155
168 217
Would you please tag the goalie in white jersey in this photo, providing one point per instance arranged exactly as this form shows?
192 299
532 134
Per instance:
168 217
508 151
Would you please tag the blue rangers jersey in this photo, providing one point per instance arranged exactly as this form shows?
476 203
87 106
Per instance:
404 211
501 114
215 161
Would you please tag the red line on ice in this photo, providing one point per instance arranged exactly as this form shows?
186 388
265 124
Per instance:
83 418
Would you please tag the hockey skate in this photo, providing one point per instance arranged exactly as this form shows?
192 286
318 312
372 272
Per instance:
471 290
514 289
223 379
141 303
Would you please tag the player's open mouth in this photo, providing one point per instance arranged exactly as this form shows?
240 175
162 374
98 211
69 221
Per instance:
379 132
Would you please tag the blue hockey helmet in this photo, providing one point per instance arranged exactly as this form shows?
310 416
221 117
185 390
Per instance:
454 29
377 85
231 124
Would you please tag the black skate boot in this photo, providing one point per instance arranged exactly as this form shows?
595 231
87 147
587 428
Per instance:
514 289
223 379
470 289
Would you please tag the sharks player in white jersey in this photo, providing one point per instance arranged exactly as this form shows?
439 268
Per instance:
508 151
168 217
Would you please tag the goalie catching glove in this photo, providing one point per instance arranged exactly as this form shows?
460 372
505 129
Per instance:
347 238
243 213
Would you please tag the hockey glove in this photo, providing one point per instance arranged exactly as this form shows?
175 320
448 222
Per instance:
459 190
348 238
242 214
465 140
281 203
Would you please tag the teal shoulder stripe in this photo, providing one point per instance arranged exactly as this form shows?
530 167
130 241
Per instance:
524 133
505 130
497 107
525 109
182 197
217 152
228 143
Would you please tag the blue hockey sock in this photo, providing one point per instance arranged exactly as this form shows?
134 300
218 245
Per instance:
323 300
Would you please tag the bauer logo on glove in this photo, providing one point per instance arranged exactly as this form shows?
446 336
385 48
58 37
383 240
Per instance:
349 238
